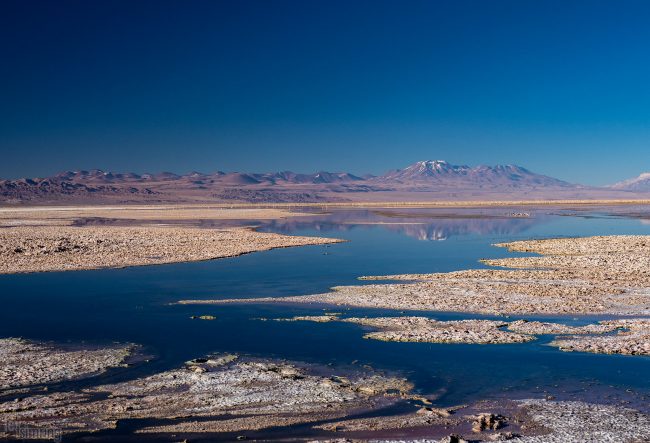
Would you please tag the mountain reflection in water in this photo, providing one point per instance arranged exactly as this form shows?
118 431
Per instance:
422 224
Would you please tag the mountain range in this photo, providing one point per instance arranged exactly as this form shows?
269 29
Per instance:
424 180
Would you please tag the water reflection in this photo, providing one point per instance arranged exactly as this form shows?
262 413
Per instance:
422 224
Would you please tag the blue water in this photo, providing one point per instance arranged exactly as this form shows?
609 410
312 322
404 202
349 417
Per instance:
134 305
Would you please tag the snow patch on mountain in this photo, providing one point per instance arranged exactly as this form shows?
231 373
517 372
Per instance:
640 183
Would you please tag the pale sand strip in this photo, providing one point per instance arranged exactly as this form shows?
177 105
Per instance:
65 248
360 204
66 215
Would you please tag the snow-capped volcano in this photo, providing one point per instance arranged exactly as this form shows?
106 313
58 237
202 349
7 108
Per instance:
425 169
640 183
440 172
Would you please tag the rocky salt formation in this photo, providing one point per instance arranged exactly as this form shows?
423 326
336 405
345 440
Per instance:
255 394
315 318
422 329
632 339
596 275
529 421
619 259
488 422
568 421
25 363
544 328
541 421
64 248
224 393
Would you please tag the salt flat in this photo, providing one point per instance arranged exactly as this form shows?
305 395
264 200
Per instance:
42 239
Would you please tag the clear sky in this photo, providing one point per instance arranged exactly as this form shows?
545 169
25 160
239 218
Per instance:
561 87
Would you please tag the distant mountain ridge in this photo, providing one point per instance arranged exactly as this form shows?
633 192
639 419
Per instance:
441 172
100 176
428 179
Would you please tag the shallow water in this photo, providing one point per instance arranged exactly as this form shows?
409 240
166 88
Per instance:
134 305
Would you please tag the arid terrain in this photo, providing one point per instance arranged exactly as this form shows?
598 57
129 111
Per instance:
239 396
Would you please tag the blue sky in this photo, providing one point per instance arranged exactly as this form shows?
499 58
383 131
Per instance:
561 87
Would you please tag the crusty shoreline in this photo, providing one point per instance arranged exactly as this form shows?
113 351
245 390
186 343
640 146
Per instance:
66 215
593 275
625 336
604 275
425 330
25 363
42 239
64 248
223 394
254 393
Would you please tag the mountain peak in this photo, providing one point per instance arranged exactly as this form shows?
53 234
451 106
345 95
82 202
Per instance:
431 162
425 169
640 183
442 173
